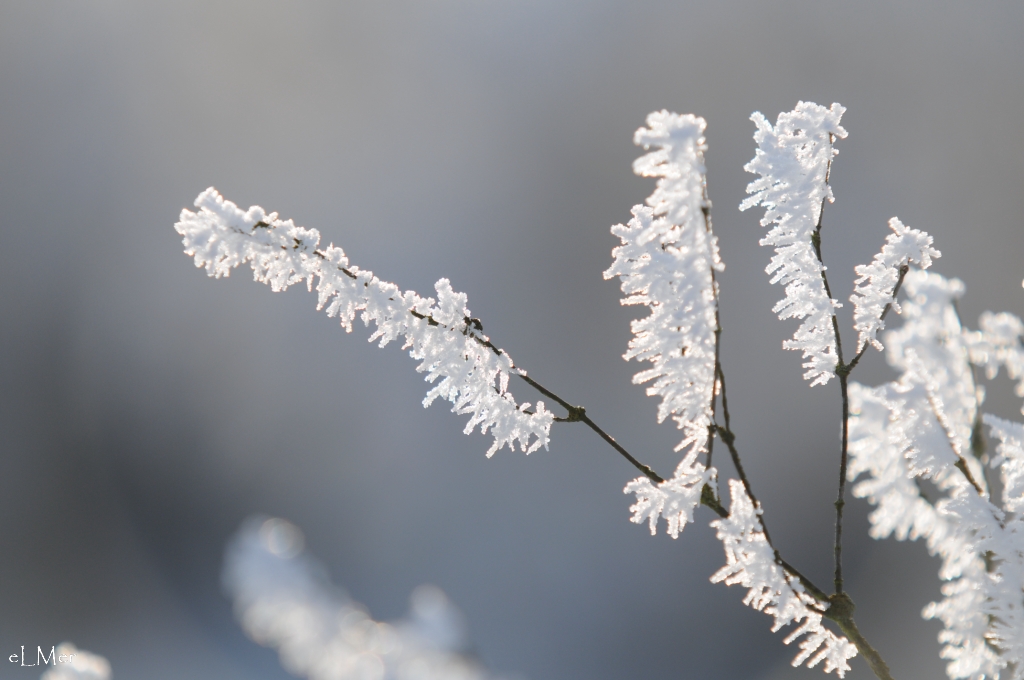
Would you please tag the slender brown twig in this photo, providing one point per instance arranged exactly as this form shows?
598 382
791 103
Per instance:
842 371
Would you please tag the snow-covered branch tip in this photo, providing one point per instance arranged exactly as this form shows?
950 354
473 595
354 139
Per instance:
441 334
667 262
750 562
999 342
875 287
283 600
794 160
921 427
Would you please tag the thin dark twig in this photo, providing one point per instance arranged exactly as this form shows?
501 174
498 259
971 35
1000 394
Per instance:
842 372
706 210
579 414
729 439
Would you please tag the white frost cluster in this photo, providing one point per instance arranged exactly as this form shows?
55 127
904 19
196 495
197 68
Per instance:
674 499
440 334
83 666
750 562
794 159
1000 342
922 426
667 262
874 287
284 600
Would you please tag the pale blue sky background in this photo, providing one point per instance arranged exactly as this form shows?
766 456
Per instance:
145 410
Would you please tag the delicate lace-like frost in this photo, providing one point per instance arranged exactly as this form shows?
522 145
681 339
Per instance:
750 562
876 281
440 334
921 427
1000 342
674 499
83 665
793 159
1009 461
666 262
283 600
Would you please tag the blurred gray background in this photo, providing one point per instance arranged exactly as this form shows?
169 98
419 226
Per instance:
145 409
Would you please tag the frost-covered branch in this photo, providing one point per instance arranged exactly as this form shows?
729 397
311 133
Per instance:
877 283
441 334
999 342
750 562
667 262
921 427
794 159
283 600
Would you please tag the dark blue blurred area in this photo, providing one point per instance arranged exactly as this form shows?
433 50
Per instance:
146 410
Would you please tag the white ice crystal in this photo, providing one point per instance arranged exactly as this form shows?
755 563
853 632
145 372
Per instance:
750 562
876 281
457 358
921 426
999 342
1009 461
666 262
931 346
674 499
82 665
794 159
283 599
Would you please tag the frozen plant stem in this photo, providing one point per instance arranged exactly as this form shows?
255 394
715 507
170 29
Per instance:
575 414
840 606
842 372
578 414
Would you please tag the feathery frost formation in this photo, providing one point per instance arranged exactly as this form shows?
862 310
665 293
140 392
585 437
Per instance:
794 159
876 282
750 562
283 600
667 262
83 665
674 499
926 426
1000 342
441 334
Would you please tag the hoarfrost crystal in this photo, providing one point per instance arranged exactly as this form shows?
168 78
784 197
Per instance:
925 425
457 358
877 281
667 262
750 562
674 499
999 343
794 159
